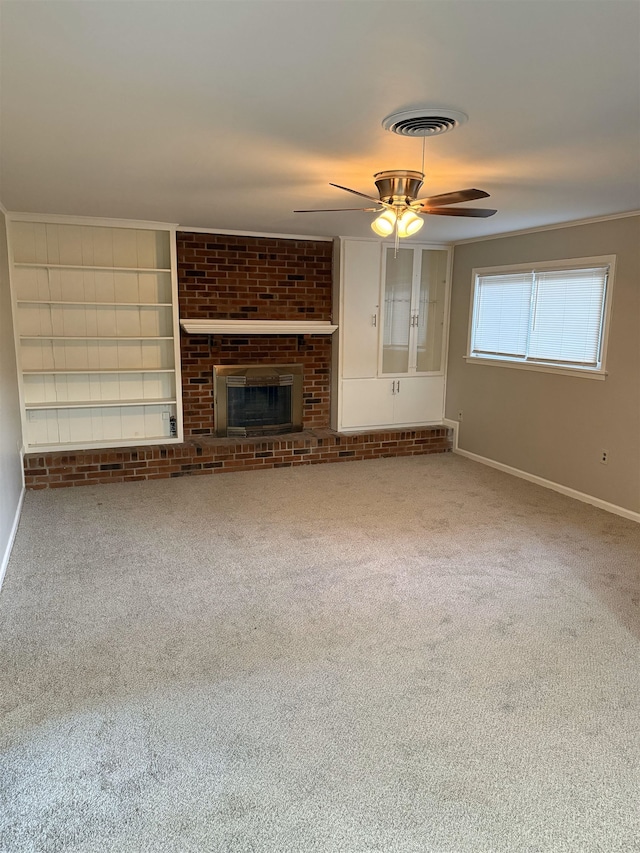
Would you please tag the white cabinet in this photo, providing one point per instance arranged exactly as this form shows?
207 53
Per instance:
359 308
409 401
96 321
392 309
366 403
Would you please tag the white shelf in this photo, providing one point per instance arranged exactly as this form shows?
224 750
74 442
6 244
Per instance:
96 338
97 404
98 445
94 304
45 371
90 267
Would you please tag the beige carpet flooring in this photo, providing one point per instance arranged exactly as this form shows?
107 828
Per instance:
402 655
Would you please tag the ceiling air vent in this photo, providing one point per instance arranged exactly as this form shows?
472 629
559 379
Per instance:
423 122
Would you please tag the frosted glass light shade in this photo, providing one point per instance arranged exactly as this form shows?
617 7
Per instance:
384 224
409 223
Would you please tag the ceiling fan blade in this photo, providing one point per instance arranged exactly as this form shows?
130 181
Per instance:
355 192
338 209
459 211
452 198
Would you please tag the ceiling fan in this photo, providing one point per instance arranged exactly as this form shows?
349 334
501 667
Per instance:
399 208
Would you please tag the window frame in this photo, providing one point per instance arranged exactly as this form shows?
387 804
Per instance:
598 372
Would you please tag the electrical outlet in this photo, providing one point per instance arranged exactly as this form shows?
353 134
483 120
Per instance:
604 457
460 415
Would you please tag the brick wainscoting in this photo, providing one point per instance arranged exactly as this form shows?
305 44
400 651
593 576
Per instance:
217 455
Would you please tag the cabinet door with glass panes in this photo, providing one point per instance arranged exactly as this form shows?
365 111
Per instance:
393 313
96 320
413 302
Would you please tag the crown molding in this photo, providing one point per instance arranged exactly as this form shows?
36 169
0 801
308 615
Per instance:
110 222
571 224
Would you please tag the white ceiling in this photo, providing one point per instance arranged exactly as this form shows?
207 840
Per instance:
232 114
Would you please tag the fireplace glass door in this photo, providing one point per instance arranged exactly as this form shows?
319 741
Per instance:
257 399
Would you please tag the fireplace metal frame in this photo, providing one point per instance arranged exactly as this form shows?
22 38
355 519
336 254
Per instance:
285 374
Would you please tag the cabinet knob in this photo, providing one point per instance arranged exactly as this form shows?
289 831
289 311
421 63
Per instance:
374 319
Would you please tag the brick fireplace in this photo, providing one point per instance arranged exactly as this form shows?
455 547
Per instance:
222 277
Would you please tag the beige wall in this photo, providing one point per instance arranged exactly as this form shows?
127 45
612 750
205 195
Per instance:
11 430
550 425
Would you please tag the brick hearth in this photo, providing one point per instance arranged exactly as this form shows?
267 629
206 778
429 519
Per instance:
218 455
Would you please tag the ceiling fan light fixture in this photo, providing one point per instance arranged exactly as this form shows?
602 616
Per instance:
384 224
409 223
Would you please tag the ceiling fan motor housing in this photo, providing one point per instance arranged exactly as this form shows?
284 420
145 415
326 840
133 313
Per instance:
397 185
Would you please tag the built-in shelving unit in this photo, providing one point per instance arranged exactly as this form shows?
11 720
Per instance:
391 346
96 332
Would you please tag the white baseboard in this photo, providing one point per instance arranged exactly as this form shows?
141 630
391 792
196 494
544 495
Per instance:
540 481
12 536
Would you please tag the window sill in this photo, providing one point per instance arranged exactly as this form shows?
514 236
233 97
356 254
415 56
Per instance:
538 368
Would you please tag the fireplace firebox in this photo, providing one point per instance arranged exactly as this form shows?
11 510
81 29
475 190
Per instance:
257 399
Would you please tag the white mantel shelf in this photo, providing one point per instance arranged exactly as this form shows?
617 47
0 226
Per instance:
257 327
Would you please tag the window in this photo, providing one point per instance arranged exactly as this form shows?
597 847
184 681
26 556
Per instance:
549 316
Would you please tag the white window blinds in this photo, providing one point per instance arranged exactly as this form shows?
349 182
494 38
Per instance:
552 316
567 316
503 304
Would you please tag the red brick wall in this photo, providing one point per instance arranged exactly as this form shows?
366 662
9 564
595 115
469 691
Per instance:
226 277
